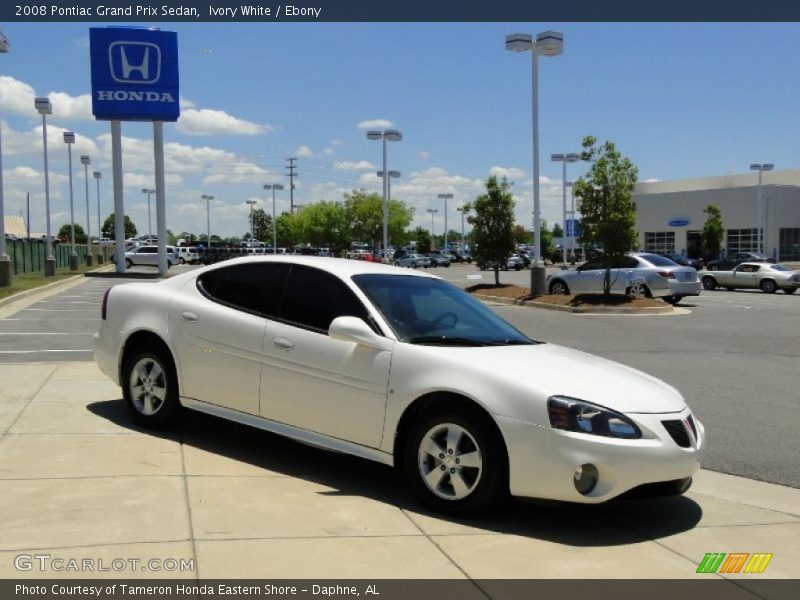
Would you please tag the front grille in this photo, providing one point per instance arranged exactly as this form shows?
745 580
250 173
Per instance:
678 433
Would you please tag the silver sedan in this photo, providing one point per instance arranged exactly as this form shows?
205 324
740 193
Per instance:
413 261
767 277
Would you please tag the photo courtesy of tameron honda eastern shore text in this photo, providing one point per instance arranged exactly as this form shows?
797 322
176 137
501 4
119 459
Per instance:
396 366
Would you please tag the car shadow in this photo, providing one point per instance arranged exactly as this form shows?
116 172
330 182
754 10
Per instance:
626 520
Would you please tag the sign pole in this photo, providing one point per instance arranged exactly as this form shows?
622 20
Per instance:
119 206
161 209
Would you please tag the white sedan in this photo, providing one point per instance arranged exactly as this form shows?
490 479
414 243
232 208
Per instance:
398 367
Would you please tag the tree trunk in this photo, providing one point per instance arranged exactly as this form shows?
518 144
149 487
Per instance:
497 276
607 281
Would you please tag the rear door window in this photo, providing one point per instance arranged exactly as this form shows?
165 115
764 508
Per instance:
253 288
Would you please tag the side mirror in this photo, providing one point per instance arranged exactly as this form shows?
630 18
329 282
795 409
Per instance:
355 330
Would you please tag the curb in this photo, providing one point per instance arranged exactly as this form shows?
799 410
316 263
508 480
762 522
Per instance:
126 275
597 310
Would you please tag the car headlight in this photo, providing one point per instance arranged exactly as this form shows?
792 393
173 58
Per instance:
571 414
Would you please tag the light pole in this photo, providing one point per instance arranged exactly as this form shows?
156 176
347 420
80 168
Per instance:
564 159
433 211
45 108
387 135
392 175
97 176
148 191
572 236
252 223
86 161
548 43
761 167
274 187
208 200
69 139
5 261
463 210
445 197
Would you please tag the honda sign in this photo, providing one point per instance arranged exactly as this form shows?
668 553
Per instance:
134 74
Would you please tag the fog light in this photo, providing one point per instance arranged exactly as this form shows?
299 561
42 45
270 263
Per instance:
585 478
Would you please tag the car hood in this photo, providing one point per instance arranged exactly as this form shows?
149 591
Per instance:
556 370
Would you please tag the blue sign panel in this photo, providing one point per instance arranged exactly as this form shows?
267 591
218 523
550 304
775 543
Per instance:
573 228
134 74
679 222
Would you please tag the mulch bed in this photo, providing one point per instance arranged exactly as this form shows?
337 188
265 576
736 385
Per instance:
520 293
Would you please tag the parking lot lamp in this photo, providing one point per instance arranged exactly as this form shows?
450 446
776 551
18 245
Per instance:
761 167
564 159
208 200
148 191
433 211
445 197
387 135
69 139
86 161
463 210
392 175
548 43
44 108
252 224
5 261
274 187
97 176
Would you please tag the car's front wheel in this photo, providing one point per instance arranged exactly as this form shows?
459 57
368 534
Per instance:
181 261
454 460
128 263
709 283
559 288
150 388
789 290
673 299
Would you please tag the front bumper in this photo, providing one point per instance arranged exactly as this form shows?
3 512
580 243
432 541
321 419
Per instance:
685 288
542 460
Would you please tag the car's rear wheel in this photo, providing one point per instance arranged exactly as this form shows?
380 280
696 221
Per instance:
673 299
639 289
559 288
789 290
709 283
768 286
150 388
128 263
454 460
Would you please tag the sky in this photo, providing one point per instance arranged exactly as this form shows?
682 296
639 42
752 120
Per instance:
681 100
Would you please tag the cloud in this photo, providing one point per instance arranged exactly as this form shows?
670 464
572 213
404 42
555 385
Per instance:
82 42
21 143
425 155
375 124
216 122
27 175
328 151
147 180
510 173
17 97
303 152
243 172
336 142
186 103
349 165
71 107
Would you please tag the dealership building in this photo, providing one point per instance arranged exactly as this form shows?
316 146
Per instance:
670 214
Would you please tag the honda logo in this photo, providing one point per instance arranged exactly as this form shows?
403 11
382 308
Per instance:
134 62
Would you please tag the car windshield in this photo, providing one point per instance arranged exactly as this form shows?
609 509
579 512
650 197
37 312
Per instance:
658 261
424 310
779 267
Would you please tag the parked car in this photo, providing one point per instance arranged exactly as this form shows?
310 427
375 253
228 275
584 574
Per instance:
438 259
767 277
515 262
413 261
398 367
684 261
147 255
461 256
636 274
729 262
187 254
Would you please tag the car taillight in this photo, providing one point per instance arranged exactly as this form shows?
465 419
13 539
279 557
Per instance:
104 306
667 274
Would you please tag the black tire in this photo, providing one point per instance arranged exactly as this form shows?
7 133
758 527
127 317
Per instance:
128 263
165 412
556 291
768 286
730 289
518 268
487 486
181 260
673 299
709 283
789 290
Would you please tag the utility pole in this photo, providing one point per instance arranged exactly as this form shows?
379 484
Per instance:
292 168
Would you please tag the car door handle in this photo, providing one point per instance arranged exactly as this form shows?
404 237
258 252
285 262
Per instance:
189 316
282 343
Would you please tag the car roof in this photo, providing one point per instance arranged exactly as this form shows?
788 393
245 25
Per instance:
341 267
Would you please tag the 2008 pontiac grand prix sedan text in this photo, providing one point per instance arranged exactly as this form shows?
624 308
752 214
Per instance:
398 367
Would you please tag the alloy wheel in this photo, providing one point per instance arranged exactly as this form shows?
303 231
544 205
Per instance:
148 386
450 461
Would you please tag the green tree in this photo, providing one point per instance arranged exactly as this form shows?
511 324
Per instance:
546 240
261 225
521 235
493 225
366 216
423 239
605 194
108 227
65 233
557 230
713 232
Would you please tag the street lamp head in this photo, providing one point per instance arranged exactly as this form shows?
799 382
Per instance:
149 191
43 105
392 135
762 167
392 174
4 47
768 167
557 157
373 134
277 186
69 137
251 201
550 43
97 175
573 157
519 42
207 197
445 196
85 160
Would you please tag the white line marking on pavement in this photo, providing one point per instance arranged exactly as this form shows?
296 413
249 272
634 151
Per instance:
38 351
60 310
49 333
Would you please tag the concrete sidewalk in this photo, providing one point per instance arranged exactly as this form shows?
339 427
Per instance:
78 480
